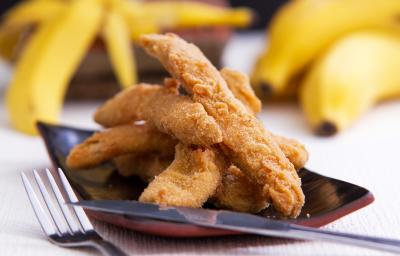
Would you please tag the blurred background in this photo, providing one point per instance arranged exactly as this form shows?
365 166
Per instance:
264 9
95 78
333 59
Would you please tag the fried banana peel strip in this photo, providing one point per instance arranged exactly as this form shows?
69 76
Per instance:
239 84
120 140
293 150
238 193
245 140
162 107
189 181
146 166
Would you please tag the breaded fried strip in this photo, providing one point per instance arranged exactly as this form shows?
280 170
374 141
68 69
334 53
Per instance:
293 150
146 166
189 181
116 141
162 107
239 84
238 193
245 140
141 139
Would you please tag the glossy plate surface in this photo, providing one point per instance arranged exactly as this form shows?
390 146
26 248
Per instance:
327 199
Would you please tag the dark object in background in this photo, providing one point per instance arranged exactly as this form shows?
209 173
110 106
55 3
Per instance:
264 9
5 5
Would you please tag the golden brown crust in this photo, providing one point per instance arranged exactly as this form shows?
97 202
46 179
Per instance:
238 193
125 139
293 150
189 181
239 84
245 140
141 139
146 166
162 107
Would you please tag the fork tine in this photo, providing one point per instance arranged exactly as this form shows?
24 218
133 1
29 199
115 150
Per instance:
48 228
61 203
83 219
55 215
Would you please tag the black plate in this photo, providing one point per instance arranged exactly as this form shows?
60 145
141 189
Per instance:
327 199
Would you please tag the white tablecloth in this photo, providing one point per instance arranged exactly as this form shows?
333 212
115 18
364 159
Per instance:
367 154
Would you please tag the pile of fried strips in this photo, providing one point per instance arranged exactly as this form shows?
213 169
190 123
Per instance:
196 138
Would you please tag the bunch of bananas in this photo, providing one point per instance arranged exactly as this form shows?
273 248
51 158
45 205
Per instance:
62 32
340 56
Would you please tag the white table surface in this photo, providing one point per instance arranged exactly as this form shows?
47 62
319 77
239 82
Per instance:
366 154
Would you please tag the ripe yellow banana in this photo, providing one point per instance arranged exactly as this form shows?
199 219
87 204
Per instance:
30 12
117 38
155 15
189 14
302 30
21 17
64 31
49 60
355 73
137 21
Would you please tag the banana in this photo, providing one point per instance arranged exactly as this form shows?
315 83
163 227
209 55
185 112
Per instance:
156 15
302 30
64 31
189 14
49 60
18 19
358 71
32 12
117 38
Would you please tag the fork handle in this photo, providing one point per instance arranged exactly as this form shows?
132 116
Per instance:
107 248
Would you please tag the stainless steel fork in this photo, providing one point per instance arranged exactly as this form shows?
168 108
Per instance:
64 225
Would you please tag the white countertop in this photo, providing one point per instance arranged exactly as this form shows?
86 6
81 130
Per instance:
367 154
